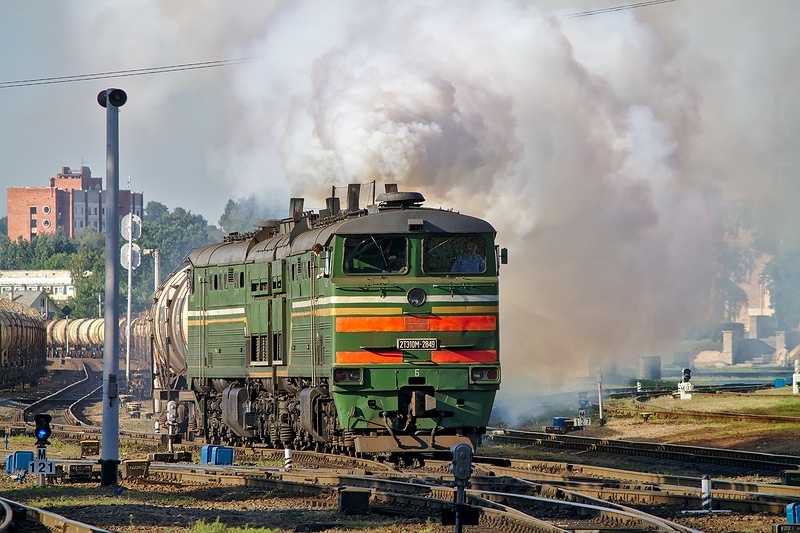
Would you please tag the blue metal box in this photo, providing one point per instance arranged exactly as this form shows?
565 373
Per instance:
206 453
222 455
793 513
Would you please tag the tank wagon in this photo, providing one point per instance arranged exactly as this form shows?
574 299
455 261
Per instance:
371 331
22 344
85 337
141 359
76 337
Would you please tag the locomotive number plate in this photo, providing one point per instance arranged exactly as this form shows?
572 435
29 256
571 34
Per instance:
417 344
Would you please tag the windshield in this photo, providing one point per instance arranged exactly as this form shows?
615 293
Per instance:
370 254
454 254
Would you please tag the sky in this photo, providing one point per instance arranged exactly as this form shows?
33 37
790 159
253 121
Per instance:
606 146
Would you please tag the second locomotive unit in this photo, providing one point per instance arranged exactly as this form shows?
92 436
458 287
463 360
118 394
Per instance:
370 331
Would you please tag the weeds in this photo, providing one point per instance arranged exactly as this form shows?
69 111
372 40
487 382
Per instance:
218 527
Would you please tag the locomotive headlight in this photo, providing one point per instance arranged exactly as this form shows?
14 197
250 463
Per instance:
482 373
416 297
347 375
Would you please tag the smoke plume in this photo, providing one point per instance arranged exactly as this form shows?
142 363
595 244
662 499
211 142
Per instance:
607 149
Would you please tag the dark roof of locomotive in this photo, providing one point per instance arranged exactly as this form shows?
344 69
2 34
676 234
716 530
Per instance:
430 221
384 218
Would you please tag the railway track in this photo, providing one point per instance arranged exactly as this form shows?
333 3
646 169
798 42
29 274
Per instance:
507 495
509 504
63 403
18 516
743 462
503 494
511 495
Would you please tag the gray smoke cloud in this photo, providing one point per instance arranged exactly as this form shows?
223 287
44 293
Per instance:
577 137
608 150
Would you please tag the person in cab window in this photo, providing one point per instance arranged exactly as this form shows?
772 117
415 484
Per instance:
469 260
390 259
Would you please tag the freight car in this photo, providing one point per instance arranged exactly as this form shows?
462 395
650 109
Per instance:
22 344
85 337
371 331
82 337
75 337
140 360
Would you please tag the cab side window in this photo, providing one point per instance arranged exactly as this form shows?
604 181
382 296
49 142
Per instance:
454 254
374 254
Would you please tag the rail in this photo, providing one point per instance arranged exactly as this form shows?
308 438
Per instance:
8 516
16 512
35 406
760 462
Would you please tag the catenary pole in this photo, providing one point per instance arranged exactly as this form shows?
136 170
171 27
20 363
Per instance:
112 100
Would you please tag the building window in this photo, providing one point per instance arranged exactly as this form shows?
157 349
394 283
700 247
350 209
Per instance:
33 210
33 223
46 223
46 210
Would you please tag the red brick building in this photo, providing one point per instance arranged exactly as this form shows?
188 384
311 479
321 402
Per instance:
73 201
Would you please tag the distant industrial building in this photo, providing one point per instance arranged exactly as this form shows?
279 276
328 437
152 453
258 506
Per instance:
73 201
56 283
39 301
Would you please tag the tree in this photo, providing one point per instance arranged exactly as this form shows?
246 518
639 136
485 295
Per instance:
154 211
242 216
51 251
782 278
174 233
88 268
42 252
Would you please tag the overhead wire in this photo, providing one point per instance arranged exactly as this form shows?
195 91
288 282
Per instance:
614 8
123 73
229 62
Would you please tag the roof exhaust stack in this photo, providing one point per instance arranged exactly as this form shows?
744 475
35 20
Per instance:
332 204
296 208
353 196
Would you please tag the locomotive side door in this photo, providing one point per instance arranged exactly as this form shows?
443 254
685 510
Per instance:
277 315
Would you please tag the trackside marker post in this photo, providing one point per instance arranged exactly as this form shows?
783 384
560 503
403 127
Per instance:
287 458
705 499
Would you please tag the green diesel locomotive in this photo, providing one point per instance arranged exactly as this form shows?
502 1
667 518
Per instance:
371 331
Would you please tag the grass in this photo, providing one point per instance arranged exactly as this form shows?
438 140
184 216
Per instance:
757 404
218 527
54 496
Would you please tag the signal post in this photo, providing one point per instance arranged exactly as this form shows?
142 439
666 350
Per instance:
111 100
461 513
42 432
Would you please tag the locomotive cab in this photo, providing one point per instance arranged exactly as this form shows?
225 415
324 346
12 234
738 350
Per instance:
416 319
